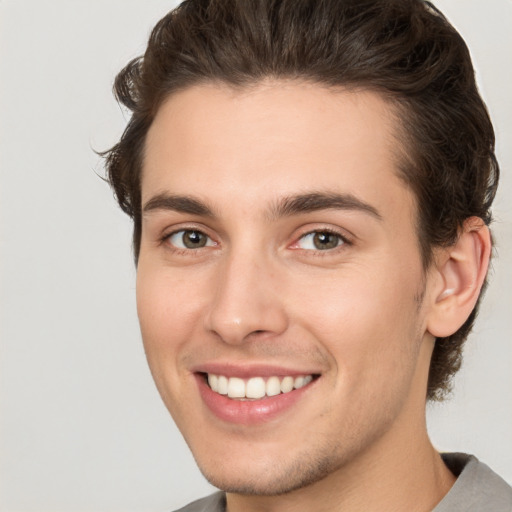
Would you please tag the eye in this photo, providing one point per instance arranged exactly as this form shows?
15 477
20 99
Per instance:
190 239
320 241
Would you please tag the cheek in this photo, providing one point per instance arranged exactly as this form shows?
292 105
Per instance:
367 323
168 308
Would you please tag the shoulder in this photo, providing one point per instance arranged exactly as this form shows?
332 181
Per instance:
213 503
477 487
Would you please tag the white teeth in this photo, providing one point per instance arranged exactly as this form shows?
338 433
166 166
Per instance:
256 387
273 386
213 381
222 384
298 383
236 388
287 384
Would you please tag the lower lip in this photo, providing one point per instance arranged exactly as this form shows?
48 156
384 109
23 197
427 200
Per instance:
248 412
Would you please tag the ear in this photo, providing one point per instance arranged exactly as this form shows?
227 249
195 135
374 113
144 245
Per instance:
460 273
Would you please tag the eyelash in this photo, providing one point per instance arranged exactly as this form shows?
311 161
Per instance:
165 240
344 241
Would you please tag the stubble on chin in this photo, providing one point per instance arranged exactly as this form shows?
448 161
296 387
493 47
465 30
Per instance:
279 478
277 475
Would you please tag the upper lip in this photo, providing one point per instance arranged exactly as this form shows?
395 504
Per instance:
248 370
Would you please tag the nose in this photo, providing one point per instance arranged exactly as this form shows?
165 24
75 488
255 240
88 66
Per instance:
247 300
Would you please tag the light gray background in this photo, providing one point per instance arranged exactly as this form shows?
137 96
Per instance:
82 426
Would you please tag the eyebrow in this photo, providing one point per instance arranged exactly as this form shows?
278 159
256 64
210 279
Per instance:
177 203
311 202
285 207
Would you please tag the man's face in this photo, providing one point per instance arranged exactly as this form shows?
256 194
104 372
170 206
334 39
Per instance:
279 255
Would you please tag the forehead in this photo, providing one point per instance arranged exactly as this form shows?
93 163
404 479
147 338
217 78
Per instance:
277 138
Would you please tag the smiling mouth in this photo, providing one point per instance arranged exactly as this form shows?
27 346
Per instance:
256 388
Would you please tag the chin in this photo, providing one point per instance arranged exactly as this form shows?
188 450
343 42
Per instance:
250 476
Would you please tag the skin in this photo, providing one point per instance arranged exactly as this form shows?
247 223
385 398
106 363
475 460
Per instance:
360 315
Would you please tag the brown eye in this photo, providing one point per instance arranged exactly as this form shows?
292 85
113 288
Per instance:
320 241
190 239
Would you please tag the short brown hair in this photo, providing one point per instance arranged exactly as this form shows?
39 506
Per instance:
404 49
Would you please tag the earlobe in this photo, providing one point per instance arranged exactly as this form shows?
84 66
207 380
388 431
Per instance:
461 269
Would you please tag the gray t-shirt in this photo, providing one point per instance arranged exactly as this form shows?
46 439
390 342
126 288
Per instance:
477 489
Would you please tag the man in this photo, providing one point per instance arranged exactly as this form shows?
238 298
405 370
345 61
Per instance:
310 184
